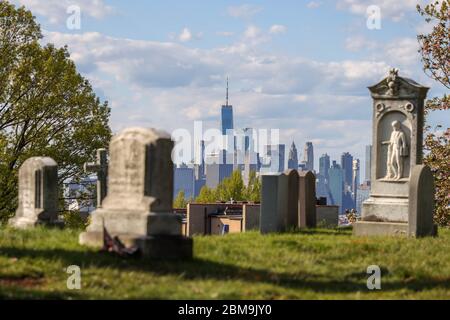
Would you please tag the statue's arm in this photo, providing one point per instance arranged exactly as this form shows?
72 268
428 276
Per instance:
403 137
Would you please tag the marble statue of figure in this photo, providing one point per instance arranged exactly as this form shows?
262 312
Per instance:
397 150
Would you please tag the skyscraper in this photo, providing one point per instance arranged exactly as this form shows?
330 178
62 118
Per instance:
293 157
368 162
324 166
200 160
184 181
227 116
308 156
217 169
347 167
274 158
323 177
355 180
355 176
336 185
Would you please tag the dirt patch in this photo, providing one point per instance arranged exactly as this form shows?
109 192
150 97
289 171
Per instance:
25 282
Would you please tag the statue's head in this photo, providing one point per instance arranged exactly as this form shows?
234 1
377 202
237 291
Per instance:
396 125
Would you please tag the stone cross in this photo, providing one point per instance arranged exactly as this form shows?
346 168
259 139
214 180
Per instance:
101 168
38 193
138 207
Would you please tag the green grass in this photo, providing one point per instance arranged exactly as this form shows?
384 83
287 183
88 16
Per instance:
318 264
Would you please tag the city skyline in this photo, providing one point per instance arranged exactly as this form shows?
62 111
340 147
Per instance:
302 67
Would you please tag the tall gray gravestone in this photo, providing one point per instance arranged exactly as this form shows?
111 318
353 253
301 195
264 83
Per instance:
292 217
398 117
38 193
421 202
307 200
274 202
138 206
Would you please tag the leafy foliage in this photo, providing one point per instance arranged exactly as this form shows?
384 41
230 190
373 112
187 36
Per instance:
180 200
234 188
435 51
46 107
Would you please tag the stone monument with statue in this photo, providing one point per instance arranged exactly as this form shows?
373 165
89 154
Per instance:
398 119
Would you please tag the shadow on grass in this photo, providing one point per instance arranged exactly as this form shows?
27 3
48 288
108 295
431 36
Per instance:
200 269
17 292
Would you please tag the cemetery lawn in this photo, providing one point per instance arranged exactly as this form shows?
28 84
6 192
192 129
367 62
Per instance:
318 264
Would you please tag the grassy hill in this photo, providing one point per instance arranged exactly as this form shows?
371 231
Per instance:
318 264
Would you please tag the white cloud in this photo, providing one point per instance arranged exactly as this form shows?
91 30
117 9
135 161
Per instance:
56 10
313 4
403 52
277 28
225 33
358 43
392 9
168 85
252 32
244 11
185 35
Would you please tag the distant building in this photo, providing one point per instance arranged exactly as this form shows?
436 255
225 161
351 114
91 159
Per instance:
227 116
199 166
323 177
250 164
217 169
324 166
362 195
244 151
80 195
308 156
184 181
355 180
347 201
274 158
347 167
368 162
198 185
293 157
336 184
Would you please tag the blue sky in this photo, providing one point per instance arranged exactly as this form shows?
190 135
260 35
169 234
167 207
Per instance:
300 66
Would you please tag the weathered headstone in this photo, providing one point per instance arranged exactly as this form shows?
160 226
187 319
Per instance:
421 202
292 217
38 193
307 200
274 198
327 216
138 206
398 116
100 167
251 214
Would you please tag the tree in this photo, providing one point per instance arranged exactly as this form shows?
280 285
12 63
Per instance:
46 107
435 52
253 190
180 200
206 195
232 187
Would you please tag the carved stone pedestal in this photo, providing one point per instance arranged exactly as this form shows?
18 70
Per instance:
397 124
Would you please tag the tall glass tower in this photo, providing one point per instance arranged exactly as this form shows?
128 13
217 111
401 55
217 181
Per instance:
227 116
